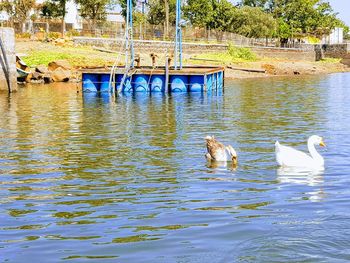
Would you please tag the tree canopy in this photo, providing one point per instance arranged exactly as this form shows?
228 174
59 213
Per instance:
157 11
296 18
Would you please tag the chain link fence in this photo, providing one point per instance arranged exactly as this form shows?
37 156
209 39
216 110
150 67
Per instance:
147 31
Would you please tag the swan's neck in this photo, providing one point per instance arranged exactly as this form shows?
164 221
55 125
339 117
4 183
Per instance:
314 154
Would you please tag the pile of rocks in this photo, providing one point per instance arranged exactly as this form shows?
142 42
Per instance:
56 71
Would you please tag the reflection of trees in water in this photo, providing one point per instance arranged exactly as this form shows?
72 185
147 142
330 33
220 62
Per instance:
276 105
37 119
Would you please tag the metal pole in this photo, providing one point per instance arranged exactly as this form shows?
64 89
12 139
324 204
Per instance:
178 36
129 41
132 53
127 34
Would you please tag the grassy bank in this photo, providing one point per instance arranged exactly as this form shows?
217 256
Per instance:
233 55
44 53
38 53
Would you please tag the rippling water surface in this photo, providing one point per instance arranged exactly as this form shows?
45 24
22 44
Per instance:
96 179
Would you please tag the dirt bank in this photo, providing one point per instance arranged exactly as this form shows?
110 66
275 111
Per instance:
41 52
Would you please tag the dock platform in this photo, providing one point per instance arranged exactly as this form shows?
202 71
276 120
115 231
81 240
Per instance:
158 79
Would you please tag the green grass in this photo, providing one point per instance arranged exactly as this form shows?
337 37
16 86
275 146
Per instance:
330 60
77 57
234 54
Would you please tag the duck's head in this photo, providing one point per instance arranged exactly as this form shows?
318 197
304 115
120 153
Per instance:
209 138
232 154
315 139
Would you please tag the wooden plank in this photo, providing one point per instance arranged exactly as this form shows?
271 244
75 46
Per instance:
205 59
106 50
247 69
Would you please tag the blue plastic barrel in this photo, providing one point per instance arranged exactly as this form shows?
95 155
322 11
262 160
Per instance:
215 79
158 83
209 82
220 80
90 82
105 87
118 79
140 83
178 83
196 83
127 85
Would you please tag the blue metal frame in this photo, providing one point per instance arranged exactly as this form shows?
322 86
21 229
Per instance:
178 37
129 41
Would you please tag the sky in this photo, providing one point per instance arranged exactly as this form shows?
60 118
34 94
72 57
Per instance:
343 8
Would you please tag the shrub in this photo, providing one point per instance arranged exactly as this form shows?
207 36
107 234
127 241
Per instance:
24 35
54 35
241 53
73 33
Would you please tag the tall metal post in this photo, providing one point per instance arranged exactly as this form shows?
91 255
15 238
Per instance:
178 37
129 41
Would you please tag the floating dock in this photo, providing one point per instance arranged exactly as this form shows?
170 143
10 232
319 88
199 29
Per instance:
148 79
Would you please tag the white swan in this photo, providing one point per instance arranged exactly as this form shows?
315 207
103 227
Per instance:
219 152
289 157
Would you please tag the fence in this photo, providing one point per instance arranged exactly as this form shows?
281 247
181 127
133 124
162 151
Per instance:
148 31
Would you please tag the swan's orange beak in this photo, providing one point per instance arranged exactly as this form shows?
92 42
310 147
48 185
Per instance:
322 144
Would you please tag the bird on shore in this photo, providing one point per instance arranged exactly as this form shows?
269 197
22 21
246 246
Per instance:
289 157
219 152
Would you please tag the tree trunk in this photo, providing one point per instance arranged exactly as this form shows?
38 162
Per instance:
63 27
23 23
166 3
63 16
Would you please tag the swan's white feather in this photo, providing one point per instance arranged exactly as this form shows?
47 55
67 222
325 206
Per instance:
288 156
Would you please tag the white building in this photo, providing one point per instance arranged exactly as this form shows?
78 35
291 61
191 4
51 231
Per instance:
72 15
335 37
3 16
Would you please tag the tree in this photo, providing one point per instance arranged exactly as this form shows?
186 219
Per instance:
253 22
123 4
18 10
199 12
55 9
255 3
221 20
297 18
157 11
93 10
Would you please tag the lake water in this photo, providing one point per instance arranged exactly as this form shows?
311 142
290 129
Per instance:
96 179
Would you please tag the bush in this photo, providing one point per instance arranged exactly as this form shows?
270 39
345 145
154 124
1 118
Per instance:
241 53
54 35
73 33
233 54
25 35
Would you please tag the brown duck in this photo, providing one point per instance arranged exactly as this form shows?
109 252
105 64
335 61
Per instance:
219 152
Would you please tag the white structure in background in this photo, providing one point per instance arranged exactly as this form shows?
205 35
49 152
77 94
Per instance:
72 15
335 37
114 14
3 16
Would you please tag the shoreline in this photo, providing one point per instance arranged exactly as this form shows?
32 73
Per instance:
86 56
